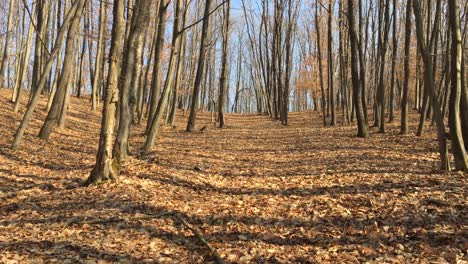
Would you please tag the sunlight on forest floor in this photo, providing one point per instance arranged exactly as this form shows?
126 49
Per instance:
258 191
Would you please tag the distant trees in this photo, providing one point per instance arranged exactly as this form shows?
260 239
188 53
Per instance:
6 49
340 58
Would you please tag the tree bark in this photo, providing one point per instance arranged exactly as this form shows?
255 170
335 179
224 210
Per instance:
65 78
99 56
132 49
156 78
428 82
224 73
404 99
103 169
362 126
458 145
319 58
7 42
200 67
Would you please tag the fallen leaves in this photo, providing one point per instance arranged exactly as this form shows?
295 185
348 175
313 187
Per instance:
259 193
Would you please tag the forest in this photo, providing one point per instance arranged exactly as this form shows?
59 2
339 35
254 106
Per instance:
233 131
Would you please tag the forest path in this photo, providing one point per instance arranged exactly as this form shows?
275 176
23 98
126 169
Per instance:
259 192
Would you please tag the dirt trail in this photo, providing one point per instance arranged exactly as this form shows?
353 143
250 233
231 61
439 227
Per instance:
258 191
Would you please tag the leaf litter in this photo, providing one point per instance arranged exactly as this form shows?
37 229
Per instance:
258 192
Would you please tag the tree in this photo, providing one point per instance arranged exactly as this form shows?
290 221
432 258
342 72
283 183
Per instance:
394 59
7 42
200 67
331 88
404 99
36 90
98 74
131 54
429 84
458 146
59 104
382 47
104 169
361 124
156 80
224 73
171 75
319 58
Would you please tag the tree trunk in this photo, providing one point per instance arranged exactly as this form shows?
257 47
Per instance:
156 80
362 126
139 24
98 75
65 77
382 51
428 82
7 42
104 169
48 66
224 73
391 117
404 99
319 58
458 146
200 67
331 87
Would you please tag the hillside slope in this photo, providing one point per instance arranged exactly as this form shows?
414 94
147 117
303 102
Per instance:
259 192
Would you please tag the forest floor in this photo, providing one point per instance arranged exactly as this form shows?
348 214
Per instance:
259 192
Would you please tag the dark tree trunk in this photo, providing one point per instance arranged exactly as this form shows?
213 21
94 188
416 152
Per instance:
362 126
200 67
404 99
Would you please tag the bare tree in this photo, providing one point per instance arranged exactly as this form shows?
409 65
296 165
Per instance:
361 123
224 73
6 48
103 169
429 84
458 146
200 67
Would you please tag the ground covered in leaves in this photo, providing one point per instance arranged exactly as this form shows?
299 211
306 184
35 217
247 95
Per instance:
259 192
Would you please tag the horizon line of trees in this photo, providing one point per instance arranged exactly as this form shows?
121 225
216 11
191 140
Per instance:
280 56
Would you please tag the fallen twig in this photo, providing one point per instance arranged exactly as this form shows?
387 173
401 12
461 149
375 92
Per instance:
200 237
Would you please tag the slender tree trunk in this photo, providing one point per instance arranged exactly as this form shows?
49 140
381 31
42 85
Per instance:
428 82
391 117
104 169
362 126
319 58
48 66
65 78
224 73
331 87
7 42
383 40
156 80
200 67
458 145
139 24
179 77
21 74
98 75
404 99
